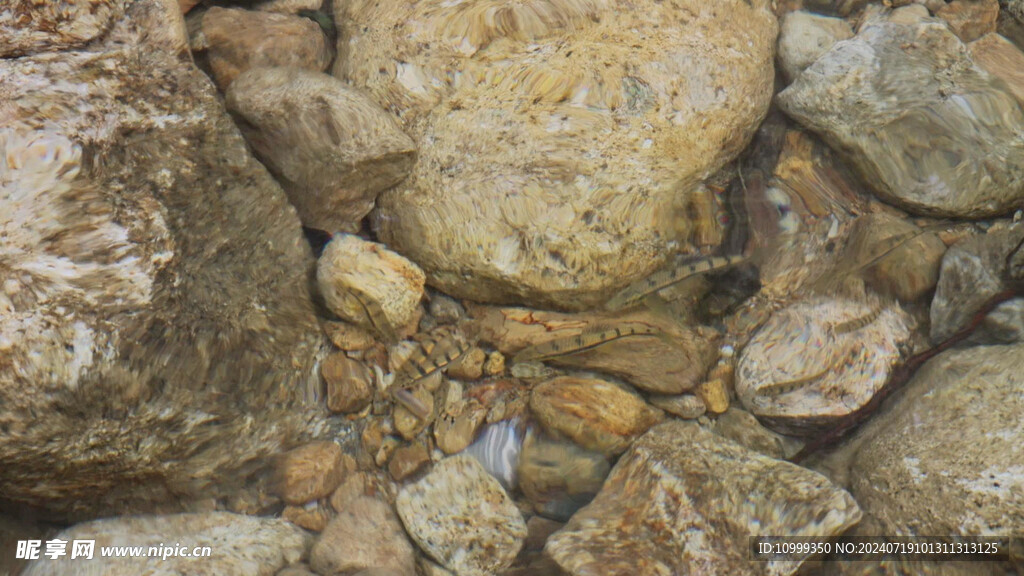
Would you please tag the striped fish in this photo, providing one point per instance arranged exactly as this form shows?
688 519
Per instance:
431 356
590 338
855 324
635 293
779 388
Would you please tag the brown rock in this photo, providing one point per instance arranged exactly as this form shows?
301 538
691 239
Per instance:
595 414
238 40
332 148
348 337
910 271
970 19
714 392
408 424
365 534
352 487
349 383
186 5
313 517
1001 58
312 472
453 433
469 366
408 460
558 477
685 501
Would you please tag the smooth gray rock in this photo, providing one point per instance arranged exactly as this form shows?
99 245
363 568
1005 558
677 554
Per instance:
929 130
157 333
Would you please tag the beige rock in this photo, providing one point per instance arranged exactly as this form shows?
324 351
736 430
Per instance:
687 406
970 19
312 472
596 414
239 545
332 148
347 337
371 286
408 460
911 270
28 27
155 297
999 57
313 517
462 518
804 37
685 501
237 40
454 432
563 173
469 366
672 362
365 534
408 424
495 365
349 383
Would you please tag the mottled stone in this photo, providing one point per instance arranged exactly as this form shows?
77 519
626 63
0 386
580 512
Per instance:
461 517
685 501
371 286
349 383
905 79
816 362
970 19
946 457
558 477
331 147
686 406
237 40
973 271
596 414
312 471
565 172
804 37
469 366
155 295
999 57
30 27
408 460
365 534
239 545
911 270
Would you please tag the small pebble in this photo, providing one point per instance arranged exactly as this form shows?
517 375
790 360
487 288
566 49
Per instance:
387 448
495 365
408 460
312 472
313 517
469 366
685 406
349 383
453 433
348 337
445 309
408 424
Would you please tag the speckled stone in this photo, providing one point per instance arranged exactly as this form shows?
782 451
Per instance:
462 518
240 545
686 501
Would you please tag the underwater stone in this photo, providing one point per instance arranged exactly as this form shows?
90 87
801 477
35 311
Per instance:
365 534
562 141
804 37
921 122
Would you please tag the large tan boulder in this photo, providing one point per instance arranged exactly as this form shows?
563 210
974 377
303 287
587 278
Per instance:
157 333
561 141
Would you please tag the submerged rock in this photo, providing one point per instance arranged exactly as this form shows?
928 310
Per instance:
818 361
155 294
910 270
685 501
332 148
558 477
562 141
462 518
30 27
804 37
999 57
365 534
970 19
238 546
596 414
236 40
920 121
371 286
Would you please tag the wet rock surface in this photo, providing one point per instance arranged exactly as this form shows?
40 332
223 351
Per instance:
330 146
558 180
462 518
804 37
366 534
906 77
236 40
684 500
28 27
916 469
238 545
178 378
